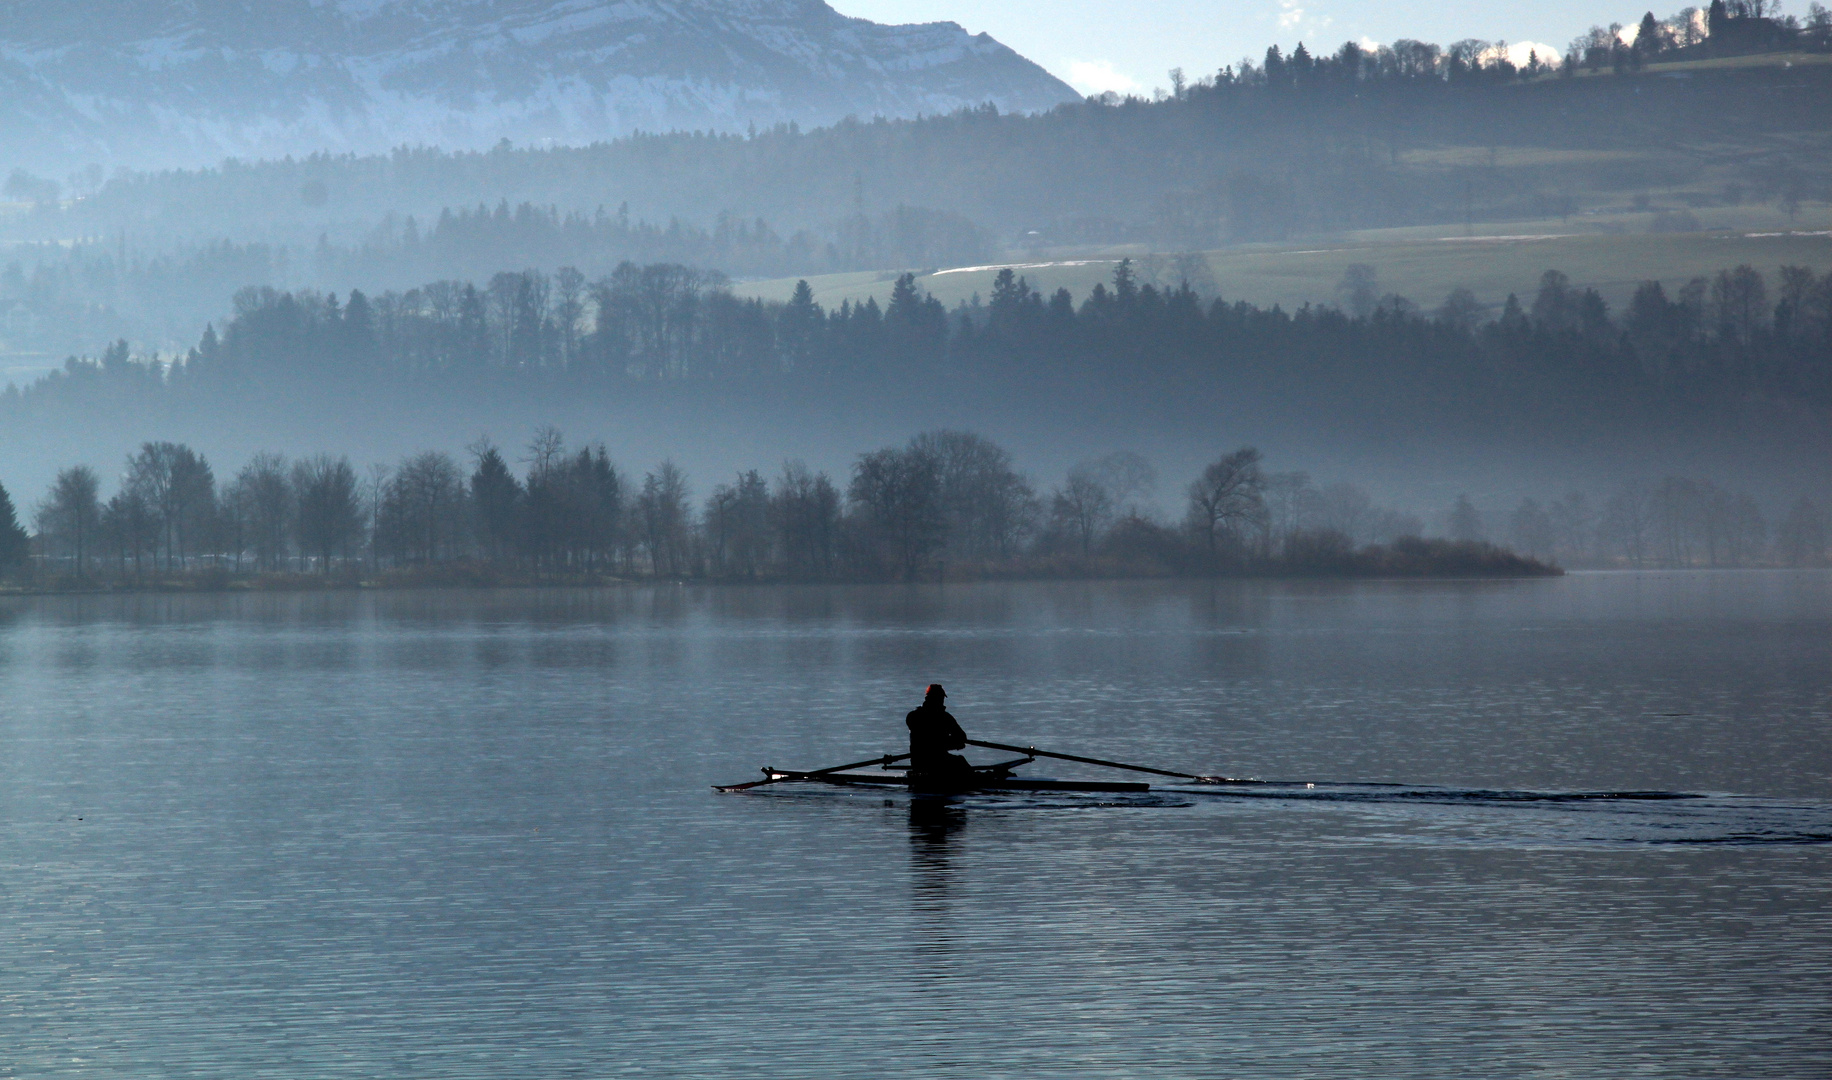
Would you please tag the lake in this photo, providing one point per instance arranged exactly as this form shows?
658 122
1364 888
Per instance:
450 834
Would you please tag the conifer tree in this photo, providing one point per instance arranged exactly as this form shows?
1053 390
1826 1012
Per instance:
1649 37
15 545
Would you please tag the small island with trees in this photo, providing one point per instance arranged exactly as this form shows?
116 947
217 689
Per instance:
949 505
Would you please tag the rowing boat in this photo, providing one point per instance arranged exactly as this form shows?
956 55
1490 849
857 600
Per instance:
997 777
983 779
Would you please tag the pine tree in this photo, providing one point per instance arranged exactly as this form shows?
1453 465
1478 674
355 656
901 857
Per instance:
498 499
1649 37
15 545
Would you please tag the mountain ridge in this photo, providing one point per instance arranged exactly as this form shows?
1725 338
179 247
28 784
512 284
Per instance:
173 84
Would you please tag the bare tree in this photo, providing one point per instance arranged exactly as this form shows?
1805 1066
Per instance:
806 510
737 526
175 482
71 516
1739 302
232 524
568 310
501 296
375 491
545 450
1628 524
1347 509
424 505
329 507
131 526
987 507
1680 520
149 478
1735 532
663 514
1082 507
1289 504
264 499
1127 477
1228 499
647 314
895 496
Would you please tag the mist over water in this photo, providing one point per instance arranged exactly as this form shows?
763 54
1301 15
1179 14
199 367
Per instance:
406 524
470 833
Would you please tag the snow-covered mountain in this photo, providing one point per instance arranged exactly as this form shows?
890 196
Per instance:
152 83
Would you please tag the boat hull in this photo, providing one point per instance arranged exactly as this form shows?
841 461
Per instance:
920 786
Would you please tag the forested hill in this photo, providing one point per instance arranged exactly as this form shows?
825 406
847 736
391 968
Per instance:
1296 145
1727 366
1294 149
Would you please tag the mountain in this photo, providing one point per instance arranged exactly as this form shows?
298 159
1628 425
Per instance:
172 83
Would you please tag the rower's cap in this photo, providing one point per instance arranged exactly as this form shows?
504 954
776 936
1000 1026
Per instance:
934 690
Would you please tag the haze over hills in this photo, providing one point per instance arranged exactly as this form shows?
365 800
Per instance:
167 83
1679 148
1404 204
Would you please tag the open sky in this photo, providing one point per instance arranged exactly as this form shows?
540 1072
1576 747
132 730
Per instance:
1125 45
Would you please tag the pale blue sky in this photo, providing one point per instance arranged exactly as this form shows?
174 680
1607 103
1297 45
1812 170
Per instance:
1137 41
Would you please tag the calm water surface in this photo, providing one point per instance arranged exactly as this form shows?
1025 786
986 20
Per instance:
445 835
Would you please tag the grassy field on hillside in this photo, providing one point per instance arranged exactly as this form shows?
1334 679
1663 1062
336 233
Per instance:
1726 63
1420 264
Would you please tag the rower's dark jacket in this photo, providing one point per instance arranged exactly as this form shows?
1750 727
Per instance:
933 733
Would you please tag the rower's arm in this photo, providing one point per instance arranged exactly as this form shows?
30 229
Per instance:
956 736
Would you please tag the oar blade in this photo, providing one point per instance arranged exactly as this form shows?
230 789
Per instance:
777 776
770 776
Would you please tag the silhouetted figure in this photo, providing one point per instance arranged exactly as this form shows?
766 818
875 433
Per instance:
933 733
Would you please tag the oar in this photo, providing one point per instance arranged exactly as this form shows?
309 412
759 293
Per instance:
1098 761
885 760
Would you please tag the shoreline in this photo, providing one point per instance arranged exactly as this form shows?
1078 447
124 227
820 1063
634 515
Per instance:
209 584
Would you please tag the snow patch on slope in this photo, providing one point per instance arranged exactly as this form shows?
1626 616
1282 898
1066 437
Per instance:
153 83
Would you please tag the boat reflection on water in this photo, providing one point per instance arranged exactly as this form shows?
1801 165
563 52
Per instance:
934 825
935 828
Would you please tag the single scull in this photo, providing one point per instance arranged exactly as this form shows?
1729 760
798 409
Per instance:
997 777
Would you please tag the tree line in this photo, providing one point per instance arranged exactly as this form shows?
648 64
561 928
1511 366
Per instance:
1675 521
946 503
1708 346
54 296
1723 28
945 499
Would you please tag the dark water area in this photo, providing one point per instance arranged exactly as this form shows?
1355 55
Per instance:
1575 827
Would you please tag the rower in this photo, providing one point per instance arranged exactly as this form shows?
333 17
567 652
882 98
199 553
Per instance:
933 733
